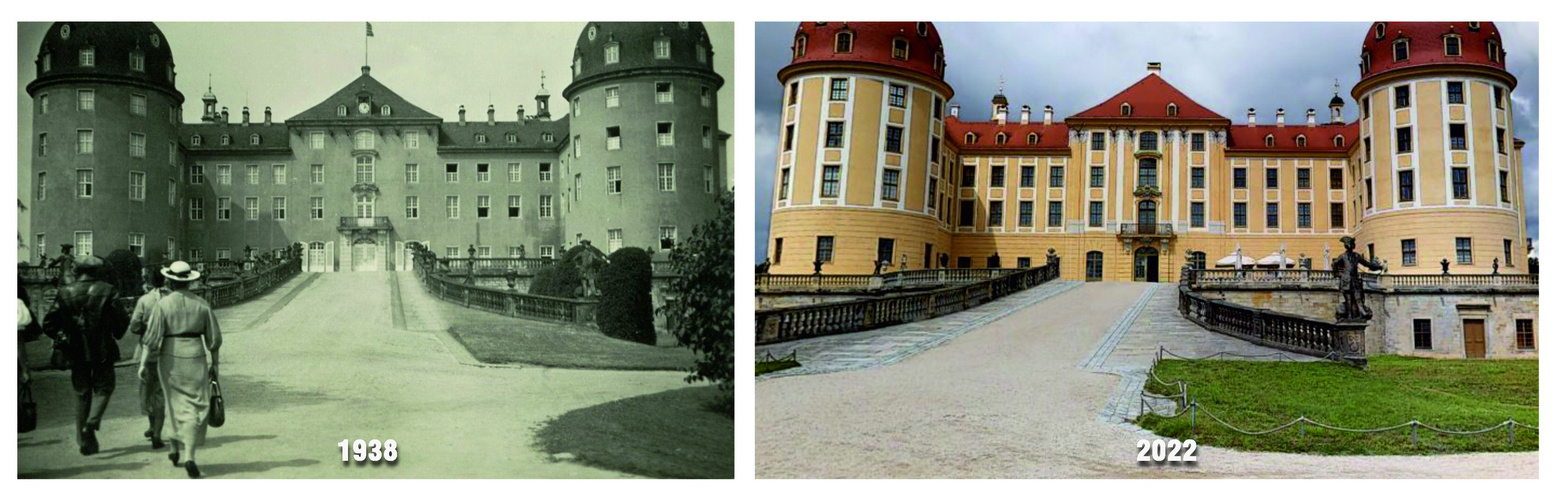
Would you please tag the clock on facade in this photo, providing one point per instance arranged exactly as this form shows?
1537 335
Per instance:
363 108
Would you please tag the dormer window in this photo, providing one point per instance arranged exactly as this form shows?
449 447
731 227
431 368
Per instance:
195 140
1002 138
922 29
254 139
1301 141
1492 50
1475 26
384 110
157 40
1269 141
1125 110
341 110
510 137
701 53
900 49
47 63
137 61
663 48
65 32
610 53
938 63
1171 109
224 140
547 137
1451 46
1401 49
800 47
1379 30
1339 141
1366 61
843 42
970 138
481 139
576 67
88 57
1032 139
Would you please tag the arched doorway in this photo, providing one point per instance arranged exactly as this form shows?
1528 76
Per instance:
366 255
1147 265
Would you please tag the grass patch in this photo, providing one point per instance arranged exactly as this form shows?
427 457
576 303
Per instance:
1457 395
514 341
671 434
763 367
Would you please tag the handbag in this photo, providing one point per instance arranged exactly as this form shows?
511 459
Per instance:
217 414
27 416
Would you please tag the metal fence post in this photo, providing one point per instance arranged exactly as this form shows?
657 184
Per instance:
1193 418
1301 427
1510 431
1414 439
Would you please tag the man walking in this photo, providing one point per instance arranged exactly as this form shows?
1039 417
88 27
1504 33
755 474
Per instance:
151 387
88 322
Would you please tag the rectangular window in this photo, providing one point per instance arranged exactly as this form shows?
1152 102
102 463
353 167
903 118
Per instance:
1096 209
666 177
224 175
1272 215
1097 141
84 142
1368 183
1497 99
1401 96
224 208
891 186
706 140
412 207
251 208
197 208
1097 176
614 142
1304 178
1336 178
252 174
892 136
86 100
43 145
84 183
610 54
1196 142
545 172
1524 331
1027 213
968 176
838 88
967 213
1197 177
710 179
786 183
668 236
317 140
1461 183
824 251
1027 176
787 135
482 172
138 186
410 139
615 180
452 172
1407 186
173 192
1404 141
935 153
1239 214
279 175
452 207
1239 178
173 154
897 96
664 133
1455 92
138 104
482 206
886 251
664 92
1507 253
1196 215
84 243
453 252
138 244
1304 215
1456 139
1054 214
545 206
1502 140
830 186
997 178
1422 331
42 186
1337 215
705 96
834 134
279 208
1407 252
514 170
1462 249
995 213
1366 148
612 97
514 206
1272 178
1055 179
1502 185
43 104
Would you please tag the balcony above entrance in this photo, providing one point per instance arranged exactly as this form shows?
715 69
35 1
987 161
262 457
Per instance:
1146 230
364 223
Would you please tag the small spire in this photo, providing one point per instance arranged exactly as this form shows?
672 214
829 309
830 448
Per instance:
1336 87
1001 81
542 89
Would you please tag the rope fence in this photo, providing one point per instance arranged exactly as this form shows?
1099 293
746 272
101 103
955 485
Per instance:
1191 407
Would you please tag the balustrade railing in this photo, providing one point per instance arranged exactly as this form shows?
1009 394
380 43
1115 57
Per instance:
524 266
1260 326
792 323
869 282
434 274
249 285
1299 277
1145 229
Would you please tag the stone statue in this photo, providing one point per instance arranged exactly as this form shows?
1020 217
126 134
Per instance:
902 262
818 266
763 267
1052 256
1494 266
1445 265
943 261
1353 307
878 265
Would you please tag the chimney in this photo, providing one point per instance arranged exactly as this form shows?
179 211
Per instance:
1001 115
1312 117
954 111
1046 115
461 115
1154 68
490 115
225 115
520 113
1252 117
1279 117
1025 115
246 116
268 115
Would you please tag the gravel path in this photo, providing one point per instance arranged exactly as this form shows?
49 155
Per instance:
1011 400
331 365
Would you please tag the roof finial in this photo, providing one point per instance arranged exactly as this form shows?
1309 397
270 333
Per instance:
1336 86
1000 83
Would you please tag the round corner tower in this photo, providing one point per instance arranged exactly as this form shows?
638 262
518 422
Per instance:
861 176
105 159
645 157
1437 170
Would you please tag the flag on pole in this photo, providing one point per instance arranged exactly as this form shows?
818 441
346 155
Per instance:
368 29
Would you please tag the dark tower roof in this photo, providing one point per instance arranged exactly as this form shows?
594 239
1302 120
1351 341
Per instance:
637 53
112 47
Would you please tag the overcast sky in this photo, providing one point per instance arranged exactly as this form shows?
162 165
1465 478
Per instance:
1227 67
293 66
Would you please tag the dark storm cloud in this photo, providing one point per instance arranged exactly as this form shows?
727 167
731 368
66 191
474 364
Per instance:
1227 67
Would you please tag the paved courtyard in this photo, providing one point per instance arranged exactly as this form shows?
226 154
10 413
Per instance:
336 356
1033 392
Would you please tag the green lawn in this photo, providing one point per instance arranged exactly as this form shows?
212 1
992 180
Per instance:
763 367
1448 394
511 341
672 434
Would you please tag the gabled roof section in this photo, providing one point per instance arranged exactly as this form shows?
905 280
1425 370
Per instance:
273 138
378 94
1320 138
529 134
1052 137
1149 98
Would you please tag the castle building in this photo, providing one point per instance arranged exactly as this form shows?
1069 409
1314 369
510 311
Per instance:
362 174
877 165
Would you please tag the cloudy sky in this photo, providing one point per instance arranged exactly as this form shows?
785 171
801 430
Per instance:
292 66
1227 67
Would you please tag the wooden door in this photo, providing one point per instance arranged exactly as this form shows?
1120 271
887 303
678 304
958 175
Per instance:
1475 338
365 256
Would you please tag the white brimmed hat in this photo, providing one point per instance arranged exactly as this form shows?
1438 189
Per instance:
180 271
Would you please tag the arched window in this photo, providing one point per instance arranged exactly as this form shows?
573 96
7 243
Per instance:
384 110
1032 139
1401 49
254 139
970 138
1453 46
195 140
1093 265
843 41
800 47
1379 30
1269 141
1125 110
363 139
224 140
341 110
1171 109
1198 260
1146 172
1301 141
1339 141
1149 141
1002 138
1366 61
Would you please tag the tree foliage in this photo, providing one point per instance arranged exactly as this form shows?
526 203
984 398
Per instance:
625 311
122 269
703 310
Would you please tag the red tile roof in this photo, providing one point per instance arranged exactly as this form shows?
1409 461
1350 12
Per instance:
1320 138
871 43
1149 98
1426 45
1048 137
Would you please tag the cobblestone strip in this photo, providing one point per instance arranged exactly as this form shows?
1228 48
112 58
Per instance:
1115 334
889 345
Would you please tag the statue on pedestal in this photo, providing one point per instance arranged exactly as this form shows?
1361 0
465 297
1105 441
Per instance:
1445 266
818 266
1353 308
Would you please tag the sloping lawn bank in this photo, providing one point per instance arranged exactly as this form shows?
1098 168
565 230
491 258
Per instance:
671 434
1460 395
